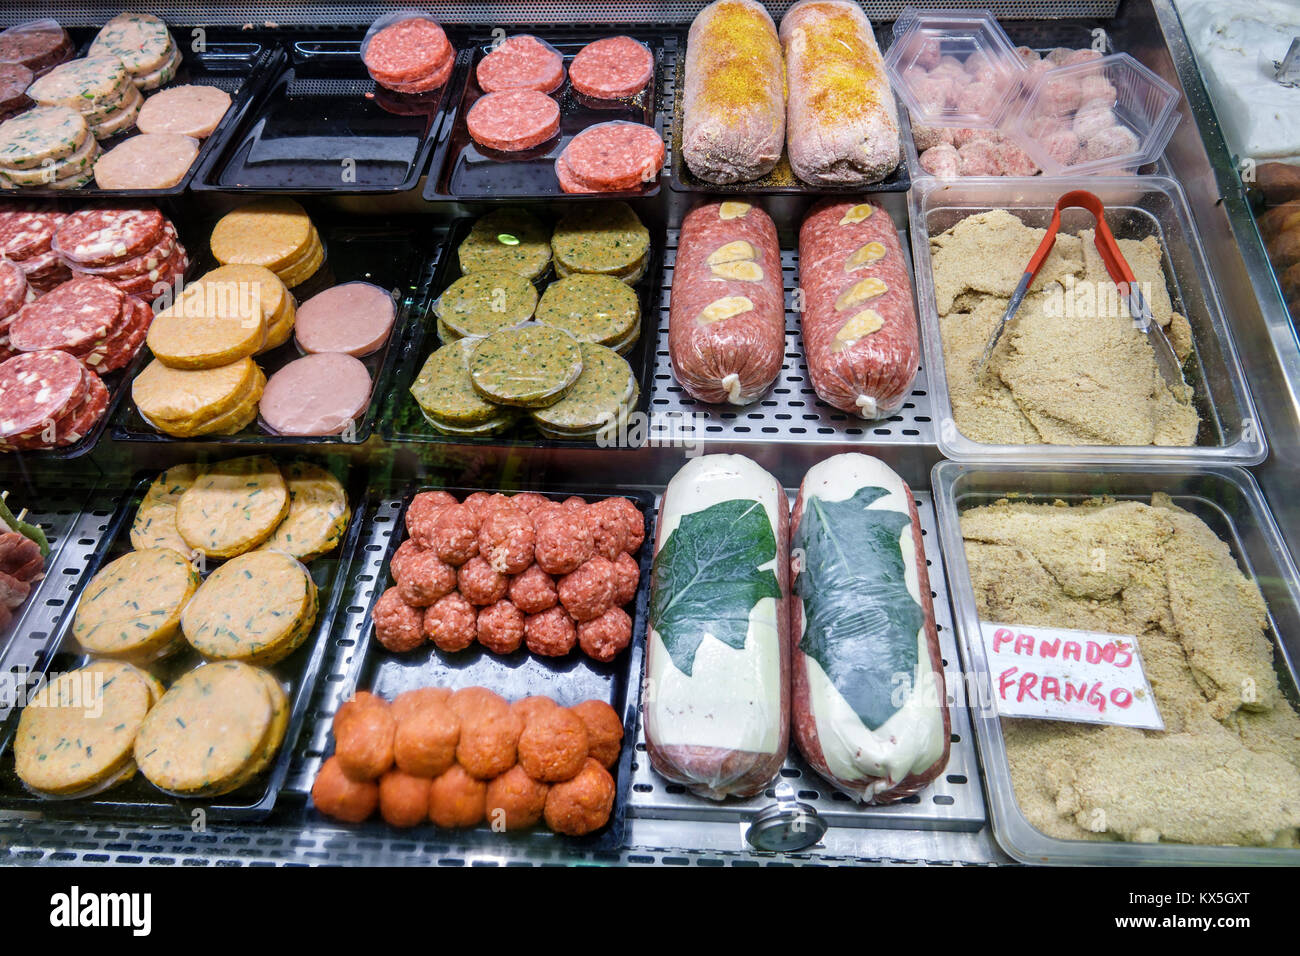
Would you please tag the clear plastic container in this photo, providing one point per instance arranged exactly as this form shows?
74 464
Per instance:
1137 207
954 67
1102 115
1229 502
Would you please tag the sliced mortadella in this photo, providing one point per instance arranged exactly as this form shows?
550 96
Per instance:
316 395
355 317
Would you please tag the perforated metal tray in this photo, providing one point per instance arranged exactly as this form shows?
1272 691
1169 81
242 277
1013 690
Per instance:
953 802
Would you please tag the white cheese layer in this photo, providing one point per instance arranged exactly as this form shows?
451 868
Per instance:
733 697
912 739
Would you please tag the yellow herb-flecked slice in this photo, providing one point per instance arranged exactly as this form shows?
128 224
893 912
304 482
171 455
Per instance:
233 507
318 513
252 606
132 607
155 520
209 726
269 747
78 730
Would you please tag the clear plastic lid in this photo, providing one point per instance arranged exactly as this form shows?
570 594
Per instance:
954 67
1106 113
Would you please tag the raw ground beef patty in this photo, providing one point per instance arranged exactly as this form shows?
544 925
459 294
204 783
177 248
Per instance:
513 120
610 157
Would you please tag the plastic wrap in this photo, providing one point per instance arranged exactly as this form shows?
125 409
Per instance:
529 366
717 690
416 58
612 68
726 328
733 118
611 157
480 303
859 322
521 62
870 706
39 45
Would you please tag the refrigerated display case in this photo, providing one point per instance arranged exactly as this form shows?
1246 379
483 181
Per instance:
402 214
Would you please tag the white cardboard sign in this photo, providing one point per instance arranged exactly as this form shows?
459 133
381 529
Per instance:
1051 673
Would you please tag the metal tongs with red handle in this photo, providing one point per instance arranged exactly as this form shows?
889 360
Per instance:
1117 266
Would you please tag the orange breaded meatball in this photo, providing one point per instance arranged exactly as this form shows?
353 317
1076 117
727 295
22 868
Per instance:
488 743
606 636
470 702
588 592
422 512
426 739
398 626
529 501
582 805
604 730
627 575
551 633
451 623
480 583
563 539
363 742
358 702
405 551
455 534
403 799
515 801
553 745
456 799
525 707
409 701
505 538
338 796
533 591
423 578
501 627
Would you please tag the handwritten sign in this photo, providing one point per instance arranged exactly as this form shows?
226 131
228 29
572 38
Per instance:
1051 673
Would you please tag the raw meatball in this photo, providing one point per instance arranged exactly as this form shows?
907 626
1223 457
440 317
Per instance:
480 584
1097 90
633 522
960 137
607 531
492 503
450 623
1014 161
476 501
424 578
564 543
551 633
607 635
525 708
455 534
604 730
363 742
627 575
471 702
942 161
456 799
1058 56
487 743
425 741
1062 145
927 136
977 97
1059 96
553 745
337 795
1091 121
403 799
410 702
574 501
505 539
1081 56
529 501
501 627
933 91
515 801
978 158
588 592
397 624
1116 141
1027 54
533 591
583 804
421 514
404 552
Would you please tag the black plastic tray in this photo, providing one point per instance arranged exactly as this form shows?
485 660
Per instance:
569 680
118 383
396 255
404 422
239 63
137 799
464 170
323 126
781 181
